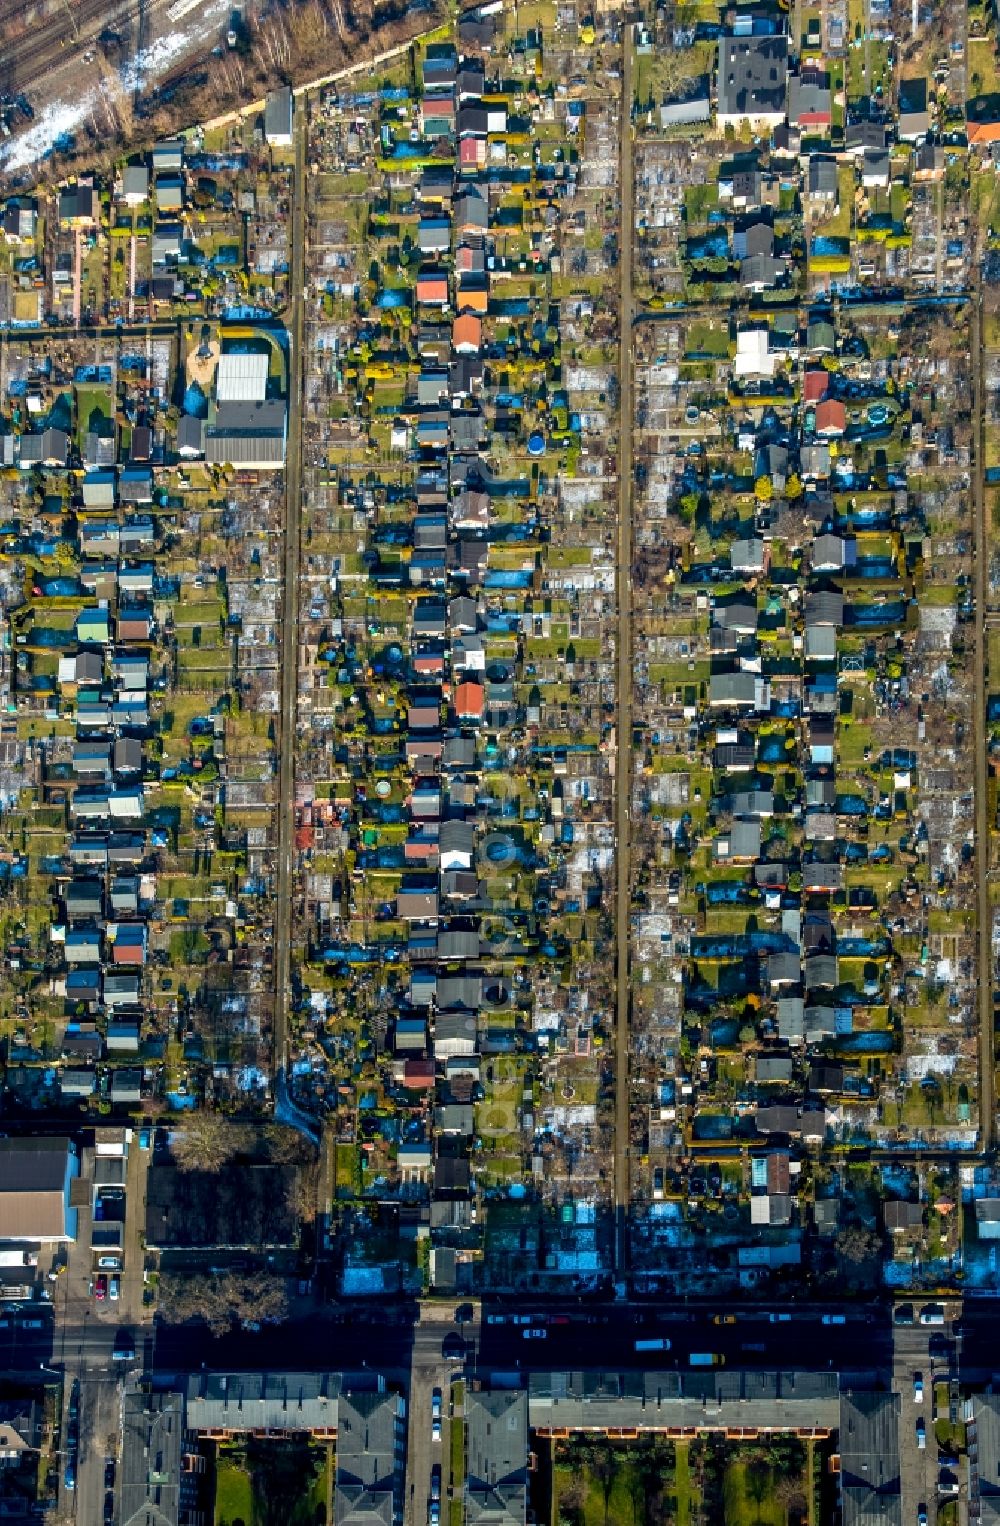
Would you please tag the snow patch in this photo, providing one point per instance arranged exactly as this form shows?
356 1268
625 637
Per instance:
164 52
61 117
41 138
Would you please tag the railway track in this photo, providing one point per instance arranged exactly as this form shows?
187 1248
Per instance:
26 62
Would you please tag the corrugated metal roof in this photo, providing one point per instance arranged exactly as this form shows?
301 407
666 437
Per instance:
241 378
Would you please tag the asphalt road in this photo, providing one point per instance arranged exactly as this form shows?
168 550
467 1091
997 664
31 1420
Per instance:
610 1347
430 1369
605 1339
359 1340
917 1465
598 1336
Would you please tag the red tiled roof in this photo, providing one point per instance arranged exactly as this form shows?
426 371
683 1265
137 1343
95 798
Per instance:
469 699
815 386
831 417
468 331
432 289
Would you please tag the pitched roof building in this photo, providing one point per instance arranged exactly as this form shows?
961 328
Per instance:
869 1459
496 1487
35 1177
371 1445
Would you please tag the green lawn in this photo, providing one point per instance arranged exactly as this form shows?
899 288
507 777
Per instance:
607 1485
91 401
708 339
682 1484
619 1511
747 1506
233 1494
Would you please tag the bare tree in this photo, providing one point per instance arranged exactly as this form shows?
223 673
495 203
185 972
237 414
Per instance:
222 1301
207 1141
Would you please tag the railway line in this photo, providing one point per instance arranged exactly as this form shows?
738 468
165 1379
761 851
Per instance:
26 61
61 61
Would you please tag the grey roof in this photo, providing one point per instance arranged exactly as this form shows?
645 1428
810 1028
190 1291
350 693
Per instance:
455 1118
773 1068
711 1400
824 607
26 1418
697 108
459 991
869 1459
456 1028
457 836
497 1457
779 1119
806 98
744 839
273 1401
752 73
761 270
152 1431
370 1459
791 1019
732 688
984 1458
862 135
247 432
278 113
458 945
33 1175
190 433
822 176
135 180
741 615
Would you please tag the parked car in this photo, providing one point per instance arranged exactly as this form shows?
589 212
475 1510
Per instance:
918 1388
101 1288
113 1288
435 1430
69 1477
921 1433
535 1334
902 1314
436 1481
436 1404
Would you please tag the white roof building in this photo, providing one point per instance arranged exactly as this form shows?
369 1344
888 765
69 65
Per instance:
752 356
241 378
